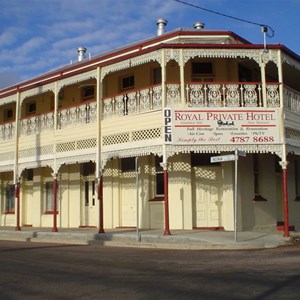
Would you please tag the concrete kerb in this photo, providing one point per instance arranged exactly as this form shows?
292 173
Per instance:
180 239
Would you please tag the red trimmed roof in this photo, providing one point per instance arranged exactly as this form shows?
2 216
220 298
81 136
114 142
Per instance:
139 48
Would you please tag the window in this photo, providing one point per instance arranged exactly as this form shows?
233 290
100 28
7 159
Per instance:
202 71
127 82
277 166
28 175
49 196
245 75
156 73
89 192
201 159
88 169
30 108
10 198
128 164
8 114
202 68
159 177
88 92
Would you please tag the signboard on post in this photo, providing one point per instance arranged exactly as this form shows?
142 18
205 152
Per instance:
224 125
221 158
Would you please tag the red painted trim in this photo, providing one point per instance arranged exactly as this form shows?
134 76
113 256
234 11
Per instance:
85 226
157 199
157 43
9 212
50 212
281 228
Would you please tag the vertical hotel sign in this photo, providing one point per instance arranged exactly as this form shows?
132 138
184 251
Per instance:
208 126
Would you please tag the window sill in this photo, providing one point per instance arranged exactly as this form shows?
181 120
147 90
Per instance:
50 212
259 198
8 212
157 198
297 198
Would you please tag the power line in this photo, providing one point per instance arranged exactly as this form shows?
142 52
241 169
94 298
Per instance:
264 27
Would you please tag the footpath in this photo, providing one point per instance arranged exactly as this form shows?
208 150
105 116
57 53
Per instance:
179 239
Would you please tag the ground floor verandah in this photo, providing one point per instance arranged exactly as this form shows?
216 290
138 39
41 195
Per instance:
200 195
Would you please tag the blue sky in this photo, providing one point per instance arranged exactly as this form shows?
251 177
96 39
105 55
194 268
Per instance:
37 36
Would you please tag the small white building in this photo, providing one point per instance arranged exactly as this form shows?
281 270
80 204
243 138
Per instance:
83 145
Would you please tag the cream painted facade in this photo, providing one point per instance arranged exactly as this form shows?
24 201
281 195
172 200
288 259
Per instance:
70 139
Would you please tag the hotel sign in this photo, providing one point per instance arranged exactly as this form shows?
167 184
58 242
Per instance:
208 126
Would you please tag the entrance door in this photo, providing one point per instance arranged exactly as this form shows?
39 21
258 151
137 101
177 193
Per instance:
128 200
89 218
207 197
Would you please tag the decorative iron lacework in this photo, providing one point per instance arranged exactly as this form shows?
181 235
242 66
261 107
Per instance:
37 124
35 165
134 136
148 134
77 78
33 152
77 115
125 64
291 99
176 149
114 139
9 99
256 55
173 94
75 159
7 131
76 145
38 91
132 103
171 54
273 98
145 58
135 152
292 134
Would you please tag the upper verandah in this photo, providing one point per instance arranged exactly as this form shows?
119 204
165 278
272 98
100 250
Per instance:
181 38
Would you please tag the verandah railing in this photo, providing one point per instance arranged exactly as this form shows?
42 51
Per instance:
149 99
195 94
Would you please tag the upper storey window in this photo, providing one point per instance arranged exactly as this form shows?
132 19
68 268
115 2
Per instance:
202 71
88 92
8 114
156 75
30 108
127 82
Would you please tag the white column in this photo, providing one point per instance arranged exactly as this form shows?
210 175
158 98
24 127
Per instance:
163 79
263 79
181 66
280 78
